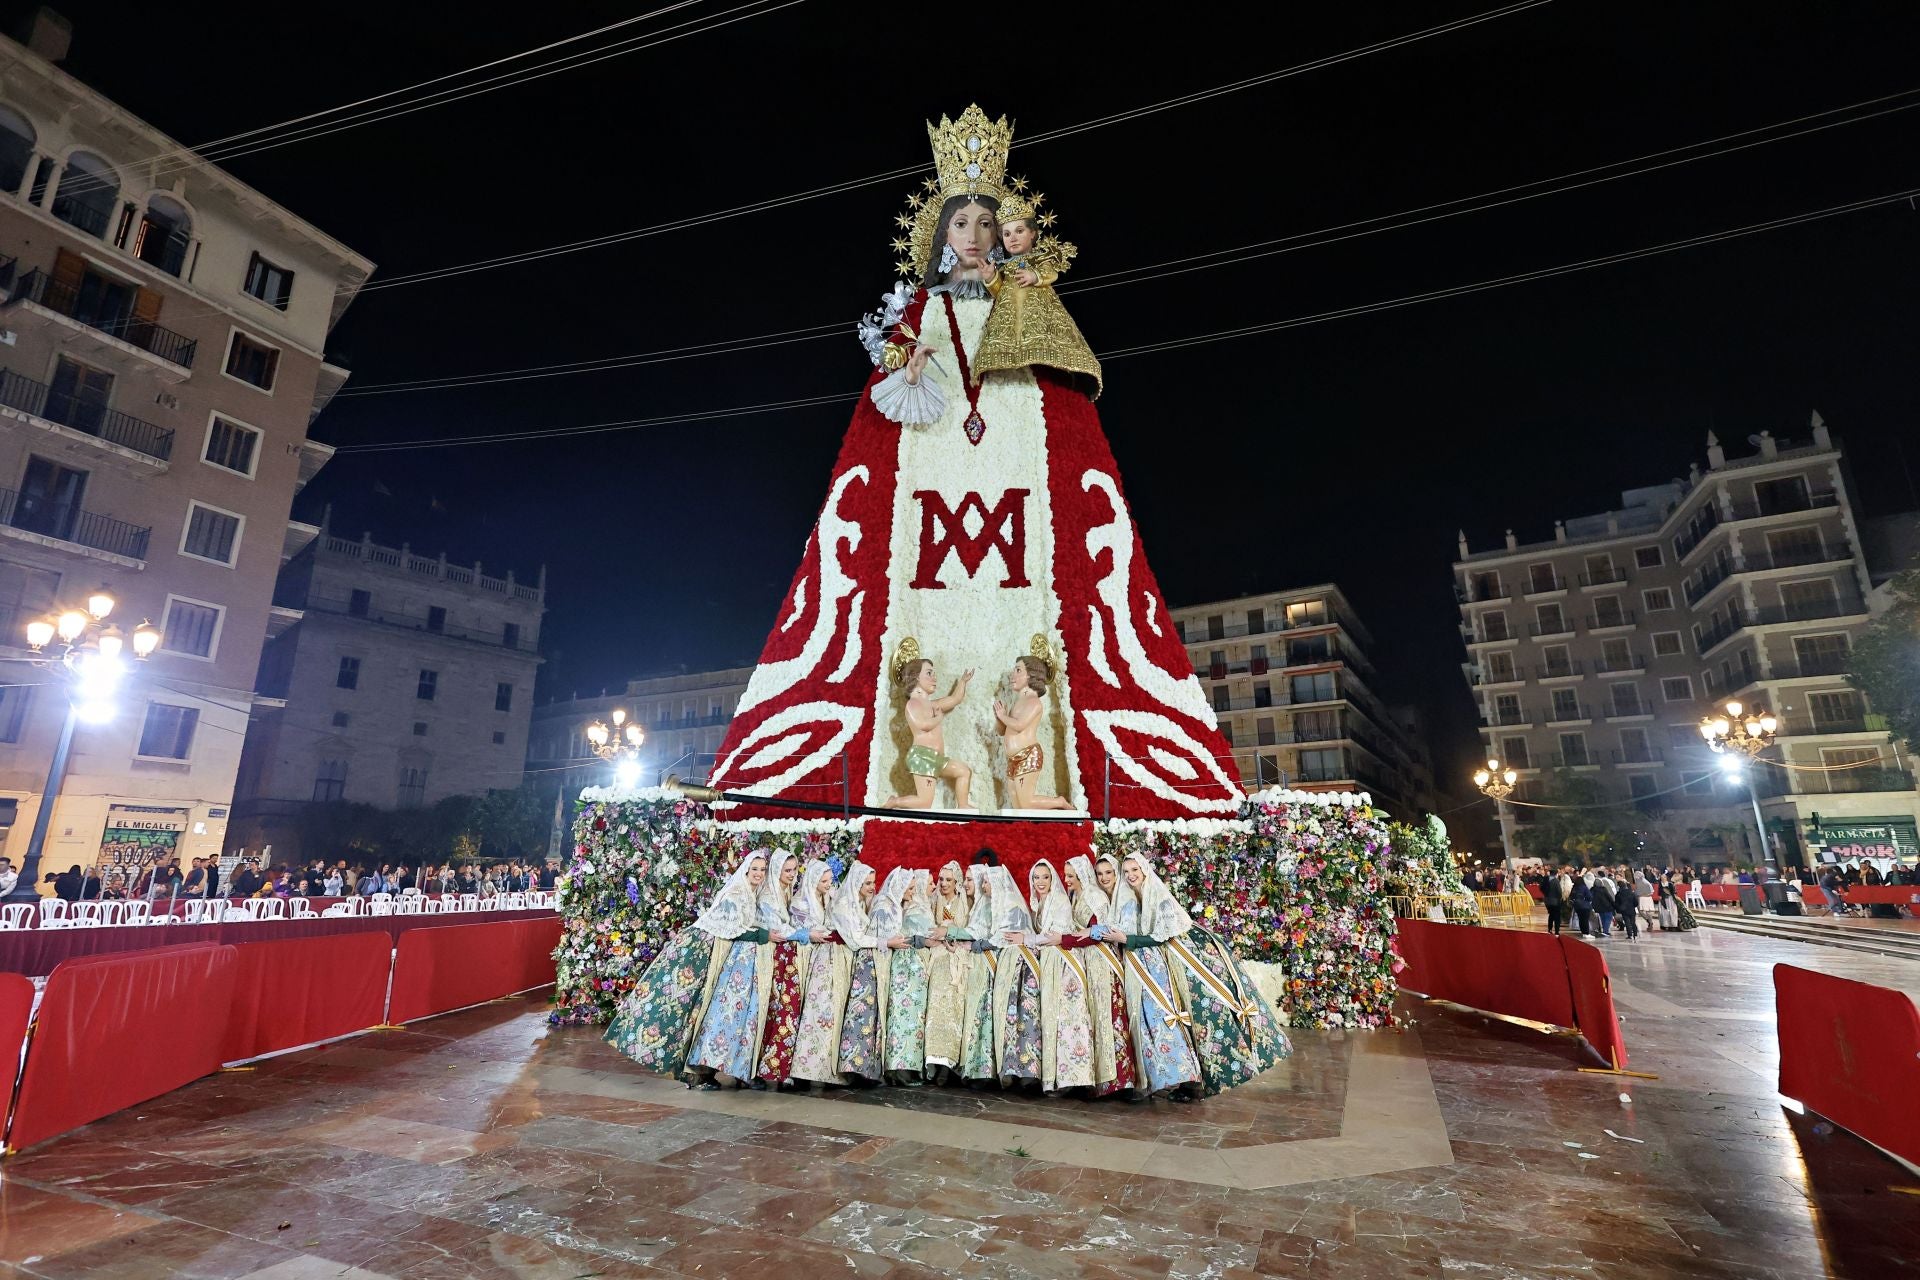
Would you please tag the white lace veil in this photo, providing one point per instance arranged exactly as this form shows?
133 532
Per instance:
1160 915
734 909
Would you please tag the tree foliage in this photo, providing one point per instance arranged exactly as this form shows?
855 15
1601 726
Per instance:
495 827
1585 824
1886 659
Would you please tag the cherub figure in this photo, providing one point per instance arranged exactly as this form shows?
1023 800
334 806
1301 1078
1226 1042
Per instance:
926 717
1020 729
1029 327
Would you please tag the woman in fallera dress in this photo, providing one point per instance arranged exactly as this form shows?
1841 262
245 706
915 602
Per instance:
948 961
656 1022
728 1037
816 1049
1019 1033
791 913
1066 1025
1142 919
1106 984
907 980
979 1048
869 923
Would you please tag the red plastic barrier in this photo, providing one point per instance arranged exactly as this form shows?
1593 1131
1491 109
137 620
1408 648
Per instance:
1593 1010
16 1006
437 970
304 990
116 1030
1851 1051
1902 895
1500 970
1534 890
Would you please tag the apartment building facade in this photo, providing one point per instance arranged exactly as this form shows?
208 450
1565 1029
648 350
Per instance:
685 717
1600 650
405 679
1294 688
162 335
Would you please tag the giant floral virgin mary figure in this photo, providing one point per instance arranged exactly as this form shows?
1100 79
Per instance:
976 514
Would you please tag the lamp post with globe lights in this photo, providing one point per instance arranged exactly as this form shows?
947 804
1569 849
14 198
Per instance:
1738 735
1497 784
87 654
619 745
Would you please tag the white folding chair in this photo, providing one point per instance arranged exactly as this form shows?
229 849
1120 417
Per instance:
469 902
53 913
1694 897
194 911
136 913
338 910
216 911
241 912
270 909
16 915
300 909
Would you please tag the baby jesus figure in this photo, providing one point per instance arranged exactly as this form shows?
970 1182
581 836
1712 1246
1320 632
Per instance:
1020 729
1029 326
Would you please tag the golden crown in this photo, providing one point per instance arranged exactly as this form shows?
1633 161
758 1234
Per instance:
969 158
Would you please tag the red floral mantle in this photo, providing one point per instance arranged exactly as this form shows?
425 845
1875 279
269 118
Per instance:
886 843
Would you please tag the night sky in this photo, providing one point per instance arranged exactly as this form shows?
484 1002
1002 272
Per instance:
1349 450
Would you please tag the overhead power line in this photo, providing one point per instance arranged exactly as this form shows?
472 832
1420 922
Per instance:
1670 157
1195 340
759 206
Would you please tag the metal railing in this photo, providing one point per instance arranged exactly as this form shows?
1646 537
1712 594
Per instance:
1709 578
1808 610
1612 577
1801 726
1837 664
1793 557
1776 507
1560 670
76 212
1878 779
1481 595
1564 627
42 401
1720 631
1704 522
1632 662
66 300
1638 755
1555 583
1618 618
1572 759
1503 719
35 514
1567 715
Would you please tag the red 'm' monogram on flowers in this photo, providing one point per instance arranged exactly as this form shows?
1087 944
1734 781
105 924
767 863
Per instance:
944 529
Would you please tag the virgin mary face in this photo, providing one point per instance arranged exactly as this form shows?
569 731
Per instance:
971 231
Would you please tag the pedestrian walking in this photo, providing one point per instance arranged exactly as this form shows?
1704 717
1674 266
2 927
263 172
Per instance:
1553 893
1602 891
1580 895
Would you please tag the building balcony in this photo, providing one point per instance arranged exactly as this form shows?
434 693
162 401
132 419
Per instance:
63 522
1630 664
413 622
1797 726
1704 523
1491 636
1808 668
1854 781
1564 627
1573 760
37 287
1568 715
1494 679
1843 606
1617 620
1638 755
1545 589
1481 595
1560 670
1698 590
1630 711
1614 577
1832 551
1781 507
1504 719
38 400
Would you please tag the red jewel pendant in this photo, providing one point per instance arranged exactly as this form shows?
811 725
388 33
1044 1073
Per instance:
975 425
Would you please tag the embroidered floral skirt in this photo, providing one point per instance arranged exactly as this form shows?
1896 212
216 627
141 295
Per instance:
1021 1049
781 1029
1123 1072
946 1006
906 1045
860 1025
817 1048
1166 1057
732 1021
1233 1044
1072 1031
655 1021
976 1053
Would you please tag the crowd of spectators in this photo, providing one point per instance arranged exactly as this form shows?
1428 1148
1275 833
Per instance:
317 879
1608 902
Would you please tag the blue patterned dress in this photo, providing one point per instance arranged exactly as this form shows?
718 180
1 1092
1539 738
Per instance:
1166 1057
860 1025
732 1022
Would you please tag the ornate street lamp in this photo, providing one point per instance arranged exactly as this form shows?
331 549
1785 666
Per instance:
1738 735
619 745
1497 784
87 654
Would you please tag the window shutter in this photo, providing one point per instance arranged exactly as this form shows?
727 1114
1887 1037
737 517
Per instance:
146 306
69 269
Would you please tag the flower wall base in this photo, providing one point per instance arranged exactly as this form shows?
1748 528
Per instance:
1298 885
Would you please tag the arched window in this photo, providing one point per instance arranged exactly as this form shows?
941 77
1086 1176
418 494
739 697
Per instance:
16 148
86 193
164 235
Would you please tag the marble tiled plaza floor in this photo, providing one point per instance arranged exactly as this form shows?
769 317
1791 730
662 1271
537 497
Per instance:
483 1144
